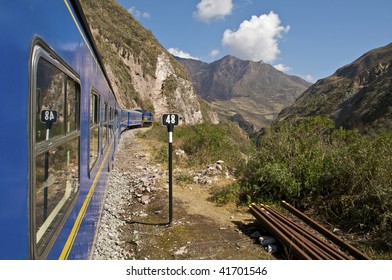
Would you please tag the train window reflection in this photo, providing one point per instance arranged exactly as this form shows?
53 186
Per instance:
111 123
55 179
57 183
94 127
50 82
72 106
105 126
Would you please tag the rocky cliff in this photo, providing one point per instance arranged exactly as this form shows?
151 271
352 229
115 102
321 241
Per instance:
143 74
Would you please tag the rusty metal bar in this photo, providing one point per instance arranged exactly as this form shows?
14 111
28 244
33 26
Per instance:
280 235
300 240
351 249
305 238
331 251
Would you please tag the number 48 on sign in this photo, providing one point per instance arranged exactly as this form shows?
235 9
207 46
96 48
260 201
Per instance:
170 119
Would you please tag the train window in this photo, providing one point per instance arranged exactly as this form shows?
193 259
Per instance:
105 126
55 148
111 123
94 127
72 103
116 119
117 122
57 184
125 119
51 95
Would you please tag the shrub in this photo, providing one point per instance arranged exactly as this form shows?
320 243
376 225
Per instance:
344 176
227 194
204 143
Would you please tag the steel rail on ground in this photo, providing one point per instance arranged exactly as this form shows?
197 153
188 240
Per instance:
333 252
298 240
286 241
333 237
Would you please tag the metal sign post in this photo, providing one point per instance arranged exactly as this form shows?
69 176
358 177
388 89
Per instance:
170 120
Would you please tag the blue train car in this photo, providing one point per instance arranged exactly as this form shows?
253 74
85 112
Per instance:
148 118
131 118
61 123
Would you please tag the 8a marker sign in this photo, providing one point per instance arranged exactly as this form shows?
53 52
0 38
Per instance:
48 117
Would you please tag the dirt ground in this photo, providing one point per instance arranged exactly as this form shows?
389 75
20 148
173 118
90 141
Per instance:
201 229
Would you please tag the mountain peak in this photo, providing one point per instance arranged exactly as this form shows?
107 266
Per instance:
255 90
233 58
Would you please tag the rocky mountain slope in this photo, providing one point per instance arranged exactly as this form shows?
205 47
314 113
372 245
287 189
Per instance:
358 95
143 74
255 90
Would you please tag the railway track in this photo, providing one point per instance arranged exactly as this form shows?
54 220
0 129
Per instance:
301 243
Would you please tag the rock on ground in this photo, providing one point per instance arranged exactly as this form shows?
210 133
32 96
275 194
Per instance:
131 181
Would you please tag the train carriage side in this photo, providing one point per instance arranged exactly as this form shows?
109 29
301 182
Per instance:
124 120
148 118
131 119
60 126
135 118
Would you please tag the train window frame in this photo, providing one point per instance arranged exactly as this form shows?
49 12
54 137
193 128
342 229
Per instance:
94 124
105 126
111 122
117 121
43 235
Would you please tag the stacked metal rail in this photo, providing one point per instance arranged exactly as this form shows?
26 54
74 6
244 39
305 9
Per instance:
300 242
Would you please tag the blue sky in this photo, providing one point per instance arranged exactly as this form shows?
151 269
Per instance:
306 38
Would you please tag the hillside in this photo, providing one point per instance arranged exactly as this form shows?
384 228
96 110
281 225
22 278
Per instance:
358 95
255 90
142 73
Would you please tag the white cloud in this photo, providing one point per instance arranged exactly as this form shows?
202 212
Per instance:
138 14
256 39
308 78
213 9
180 53
286 69
282 67
214 53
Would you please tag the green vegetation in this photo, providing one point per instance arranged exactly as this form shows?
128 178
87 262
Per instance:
342 176
203 144
345 177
